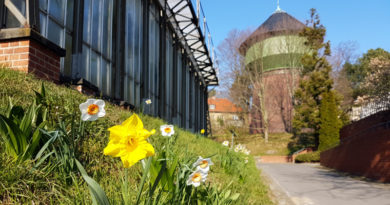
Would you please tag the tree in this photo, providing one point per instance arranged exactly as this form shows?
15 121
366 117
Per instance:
315 81
371 69
246 81
377 82
330 123
344 53
232 64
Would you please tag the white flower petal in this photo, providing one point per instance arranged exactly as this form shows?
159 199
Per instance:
90 101
100 103
85 117
93 117
83 107
101 112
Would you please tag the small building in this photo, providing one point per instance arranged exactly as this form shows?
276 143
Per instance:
224 113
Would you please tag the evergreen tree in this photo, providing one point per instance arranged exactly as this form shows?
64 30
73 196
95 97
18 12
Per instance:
315 80
330 123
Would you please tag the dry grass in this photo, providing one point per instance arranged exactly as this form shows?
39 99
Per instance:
277 143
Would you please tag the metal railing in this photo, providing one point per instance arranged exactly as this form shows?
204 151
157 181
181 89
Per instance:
369 108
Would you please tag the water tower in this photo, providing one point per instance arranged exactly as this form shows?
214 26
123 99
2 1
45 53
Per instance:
275 49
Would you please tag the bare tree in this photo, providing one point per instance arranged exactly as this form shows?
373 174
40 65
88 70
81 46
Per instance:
232 66
344 52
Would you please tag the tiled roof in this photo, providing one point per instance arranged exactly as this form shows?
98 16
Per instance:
223 105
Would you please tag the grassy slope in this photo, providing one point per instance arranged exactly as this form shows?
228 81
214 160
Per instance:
23 183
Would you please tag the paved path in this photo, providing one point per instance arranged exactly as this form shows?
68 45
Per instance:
308 184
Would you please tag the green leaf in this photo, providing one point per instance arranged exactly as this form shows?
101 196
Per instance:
98 195
16 114
235 196
35 140
13 135
146 171
227 194
44 147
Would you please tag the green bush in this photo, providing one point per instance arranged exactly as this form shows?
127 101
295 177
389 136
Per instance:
330 123
308 157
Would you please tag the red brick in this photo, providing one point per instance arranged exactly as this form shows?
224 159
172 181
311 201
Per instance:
24 43
20 63
14 57
23 56
21 50
364 148
4 58
32 50
9 51
6 64
14 43
4 44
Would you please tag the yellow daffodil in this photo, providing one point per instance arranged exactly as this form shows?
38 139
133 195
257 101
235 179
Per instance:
167 130
128 141
196 178
92 109
202 131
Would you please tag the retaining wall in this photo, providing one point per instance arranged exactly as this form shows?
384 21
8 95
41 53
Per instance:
364 148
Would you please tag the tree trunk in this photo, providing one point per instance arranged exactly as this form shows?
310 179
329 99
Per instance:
266 133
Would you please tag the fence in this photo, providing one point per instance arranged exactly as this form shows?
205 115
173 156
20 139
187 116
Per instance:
369 108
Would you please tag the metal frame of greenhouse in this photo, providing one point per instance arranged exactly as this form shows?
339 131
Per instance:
130 50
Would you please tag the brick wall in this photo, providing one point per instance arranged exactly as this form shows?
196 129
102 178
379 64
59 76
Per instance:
364 148
278 102
275 159
26 51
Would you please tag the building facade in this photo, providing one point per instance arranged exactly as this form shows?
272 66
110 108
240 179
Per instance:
224 113
275 50
125 50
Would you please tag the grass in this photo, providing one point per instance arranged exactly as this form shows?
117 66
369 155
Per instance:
21 183
277 143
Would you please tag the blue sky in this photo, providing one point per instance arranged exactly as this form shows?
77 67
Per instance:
367 22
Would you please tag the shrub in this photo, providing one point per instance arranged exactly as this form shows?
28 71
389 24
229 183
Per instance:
330 123
308 157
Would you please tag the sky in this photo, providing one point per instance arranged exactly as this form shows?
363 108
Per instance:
366 22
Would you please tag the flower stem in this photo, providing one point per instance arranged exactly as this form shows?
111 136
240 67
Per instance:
145 174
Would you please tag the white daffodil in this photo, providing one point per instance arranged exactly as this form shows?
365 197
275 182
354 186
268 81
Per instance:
238 148
92 109
246 160
148 101
225 143
246 151
203 164
167 130
196 178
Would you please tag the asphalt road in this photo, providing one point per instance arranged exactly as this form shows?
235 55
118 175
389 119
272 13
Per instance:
308 184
